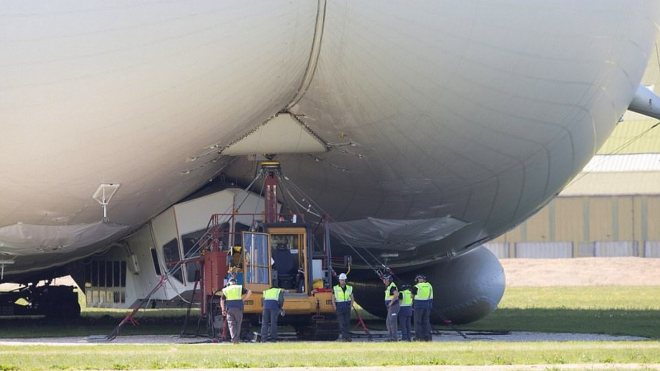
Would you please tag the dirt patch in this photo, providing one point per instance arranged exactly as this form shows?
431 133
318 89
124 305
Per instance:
628 271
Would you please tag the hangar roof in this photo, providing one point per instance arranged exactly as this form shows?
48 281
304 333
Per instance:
635 134
614 184
627 164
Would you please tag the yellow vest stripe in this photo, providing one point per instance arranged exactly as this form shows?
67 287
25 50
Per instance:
341 295
233 292
389 296
272 294
406 298
424 291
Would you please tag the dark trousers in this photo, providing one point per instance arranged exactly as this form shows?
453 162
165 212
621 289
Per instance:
269 318
344 319
404 324
392 320
423 324
234 319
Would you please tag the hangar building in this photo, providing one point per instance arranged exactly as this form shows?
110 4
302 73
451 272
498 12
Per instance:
612 208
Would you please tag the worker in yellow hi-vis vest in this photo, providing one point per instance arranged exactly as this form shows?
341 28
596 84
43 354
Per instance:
342 301
405 312
392 305
422 294
233 296
272 307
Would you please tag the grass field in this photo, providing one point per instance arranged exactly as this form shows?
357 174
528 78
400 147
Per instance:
125 357
611 310
599 310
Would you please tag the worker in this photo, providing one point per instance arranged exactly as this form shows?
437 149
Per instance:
233 296
392 305
272 306
342 302
405 312
422 294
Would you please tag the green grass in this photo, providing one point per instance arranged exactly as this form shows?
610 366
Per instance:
126 357
590 297
609 322
611 310
99 322
599 310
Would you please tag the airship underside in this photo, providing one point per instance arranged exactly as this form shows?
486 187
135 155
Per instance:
422 129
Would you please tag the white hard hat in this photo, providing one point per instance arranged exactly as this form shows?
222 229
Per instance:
342 276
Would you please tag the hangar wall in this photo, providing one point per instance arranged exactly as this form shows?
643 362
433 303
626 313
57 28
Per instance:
584 226
612 208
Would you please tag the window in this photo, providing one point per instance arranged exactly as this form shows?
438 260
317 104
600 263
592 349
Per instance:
172 256
238 229
191 248
154 256
105 281
257 261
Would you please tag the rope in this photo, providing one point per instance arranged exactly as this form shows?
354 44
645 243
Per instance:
311 204
616 151
196 248
378 271
129 317
193 252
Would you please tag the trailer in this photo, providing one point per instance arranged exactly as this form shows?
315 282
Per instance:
50 300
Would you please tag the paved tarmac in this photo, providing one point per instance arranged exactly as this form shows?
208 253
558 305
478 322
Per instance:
377 336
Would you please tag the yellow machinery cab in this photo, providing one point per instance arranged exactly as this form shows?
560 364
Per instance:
284 255
279 252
